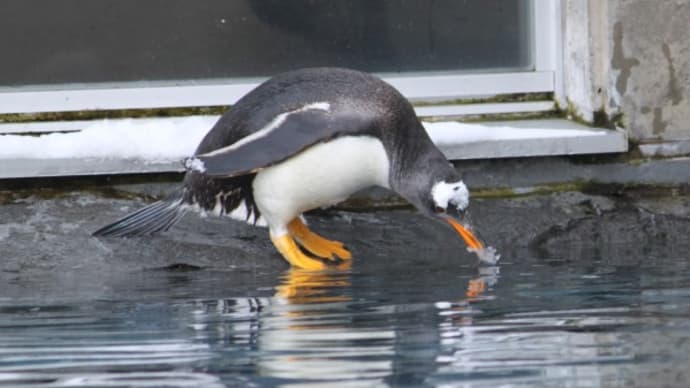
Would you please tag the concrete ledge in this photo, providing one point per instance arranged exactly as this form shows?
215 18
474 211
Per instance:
48 168
524 138
457 140
528 173
666 149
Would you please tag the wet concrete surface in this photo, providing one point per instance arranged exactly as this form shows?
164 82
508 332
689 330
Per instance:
47 233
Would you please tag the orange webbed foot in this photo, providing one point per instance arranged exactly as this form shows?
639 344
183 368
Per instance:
317 245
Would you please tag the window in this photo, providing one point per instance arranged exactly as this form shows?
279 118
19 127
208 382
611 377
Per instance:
100 53
82 55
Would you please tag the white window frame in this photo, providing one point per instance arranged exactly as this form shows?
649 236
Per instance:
418 87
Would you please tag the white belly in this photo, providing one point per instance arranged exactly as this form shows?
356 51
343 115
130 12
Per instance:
322 175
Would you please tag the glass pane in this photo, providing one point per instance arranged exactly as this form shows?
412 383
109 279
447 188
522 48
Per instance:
84 41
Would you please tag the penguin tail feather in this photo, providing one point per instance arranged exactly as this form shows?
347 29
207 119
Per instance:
156 217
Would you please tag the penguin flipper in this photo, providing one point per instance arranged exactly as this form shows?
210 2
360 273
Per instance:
287 135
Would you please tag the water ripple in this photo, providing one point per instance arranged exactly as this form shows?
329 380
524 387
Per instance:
528 324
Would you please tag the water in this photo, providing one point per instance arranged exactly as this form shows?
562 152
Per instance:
589 292
577 317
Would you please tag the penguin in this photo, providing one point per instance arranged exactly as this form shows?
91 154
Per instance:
307 139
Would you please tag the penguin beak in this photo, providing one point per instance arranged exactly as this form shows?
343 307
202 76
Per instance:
454 218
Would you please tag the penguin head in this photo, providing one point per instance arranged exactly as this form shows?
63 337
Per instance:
450 199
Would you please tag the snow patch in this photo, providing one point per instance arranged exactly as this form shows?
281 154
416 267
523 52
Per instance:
148 139
168 139
452 132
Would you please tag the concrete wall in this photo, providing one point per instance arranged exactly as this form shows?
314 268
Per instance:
630 57
585 58
651 66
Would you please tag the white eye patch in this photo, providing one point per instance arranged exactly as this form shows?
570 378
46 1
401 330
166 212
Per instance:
455 193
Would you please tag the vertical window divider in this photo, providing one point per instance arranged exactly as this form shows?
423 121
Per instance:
548 40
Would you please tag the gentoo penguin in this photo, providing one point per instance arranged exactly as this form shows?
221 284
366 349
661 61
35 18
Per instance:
307 139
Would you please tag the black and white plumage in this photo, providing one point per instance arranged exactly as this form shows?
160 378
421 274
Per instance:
306 139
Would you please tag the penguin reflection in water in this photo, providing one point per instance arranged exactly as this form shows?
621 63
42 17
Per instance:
307 139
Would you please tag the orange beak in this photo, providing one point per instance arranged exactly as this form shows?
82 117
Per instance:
470 239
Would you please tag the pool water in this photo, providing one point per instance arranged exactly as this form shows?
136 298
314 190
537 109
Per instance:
576 316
